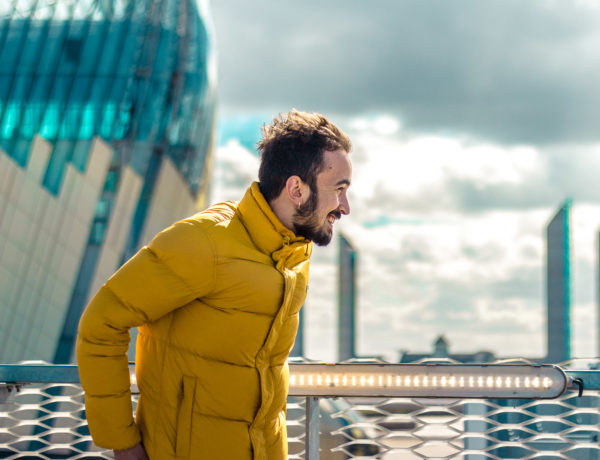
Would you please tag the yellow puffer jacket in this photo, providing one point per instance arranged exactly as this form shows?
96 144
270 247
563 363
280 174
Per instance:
217 297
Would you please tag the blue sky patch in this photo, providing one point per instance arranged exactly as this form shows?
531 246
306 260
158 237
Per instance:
383 221
245 128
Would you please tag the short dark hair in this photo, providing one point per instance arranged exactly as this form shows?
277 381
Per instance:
293 145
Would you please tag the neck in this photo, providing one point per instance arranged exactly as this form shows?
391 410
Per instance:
283 210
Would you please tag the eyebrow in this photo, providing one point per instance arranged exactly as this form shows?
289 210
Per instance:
343 182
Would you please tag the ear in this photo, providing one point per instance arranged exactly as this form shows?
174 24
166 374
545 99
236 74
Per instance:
297 190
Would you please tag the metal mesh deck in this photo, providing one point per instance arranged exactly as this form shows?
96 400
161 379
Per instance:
47 421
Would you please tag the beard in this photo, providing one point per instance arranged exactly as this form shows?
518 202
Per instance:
306 222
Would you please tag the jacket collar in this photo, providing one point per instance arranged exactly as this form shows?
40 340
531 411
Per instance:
265 228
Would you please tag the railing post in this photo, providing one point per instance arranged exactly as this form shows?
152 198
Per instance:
312 428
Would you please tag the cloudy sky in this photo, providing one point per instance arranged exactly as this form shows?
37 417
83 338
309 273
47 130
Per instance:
471 121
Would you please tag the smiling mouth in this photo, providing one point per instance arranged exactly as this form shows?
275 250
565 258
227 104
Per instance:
333 216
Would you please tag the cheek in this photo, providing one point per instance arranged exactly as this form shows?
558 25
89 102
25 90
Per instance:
332 204
325 210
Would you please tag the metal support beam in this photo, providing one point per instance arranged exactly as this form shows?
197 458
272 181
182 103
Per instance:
39 373
312 428
589 378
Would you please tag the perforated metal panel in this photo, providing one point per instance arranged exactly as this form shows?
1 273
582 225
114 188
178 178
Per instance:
45 422
472 429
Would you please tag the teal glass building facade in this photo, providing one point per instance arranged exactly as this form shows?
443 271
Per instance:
138 74
135 73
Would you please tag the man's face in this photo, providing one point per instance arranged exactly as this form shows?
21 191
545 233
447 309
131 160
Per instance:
315 218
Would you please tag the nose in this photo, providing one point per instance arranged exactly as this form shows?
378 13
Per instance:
344 204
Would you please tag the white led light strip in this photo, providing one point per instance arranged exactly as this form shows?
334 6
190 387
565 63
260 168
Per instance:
391 381
427 380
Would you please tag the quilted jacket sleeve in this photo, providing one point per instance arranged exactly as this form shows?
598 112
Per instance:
175 268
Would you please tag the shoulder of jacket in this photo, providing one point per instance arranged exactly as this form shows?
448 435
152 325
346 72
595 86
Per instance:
216 214
197 232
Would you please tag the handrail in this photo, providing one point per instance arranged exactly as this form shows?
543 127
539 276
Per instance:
39 372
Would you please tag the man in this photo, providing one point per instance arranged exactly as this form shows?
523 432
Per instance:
216 299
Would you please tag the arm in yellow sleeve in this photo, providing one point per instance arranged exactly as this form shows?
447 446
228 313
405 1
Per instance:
174 269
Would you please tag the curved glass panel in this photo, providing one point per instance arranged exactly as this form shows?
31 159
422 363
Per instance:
139 74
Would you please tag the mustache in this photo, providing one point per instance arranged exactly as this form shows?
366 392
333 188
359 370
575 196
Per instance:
337 213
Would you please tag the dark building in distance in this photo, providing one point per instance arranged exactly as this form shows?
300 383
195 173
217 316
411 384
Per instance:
441 350
346 300
106 126
558 285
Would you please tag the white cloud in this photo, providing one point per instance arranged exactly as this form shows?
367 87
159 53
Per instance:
586 225
420 171
381 125
585 338
427 264
234 169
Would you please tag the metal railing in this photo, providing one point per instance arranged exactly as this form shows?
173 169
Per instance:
42 416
